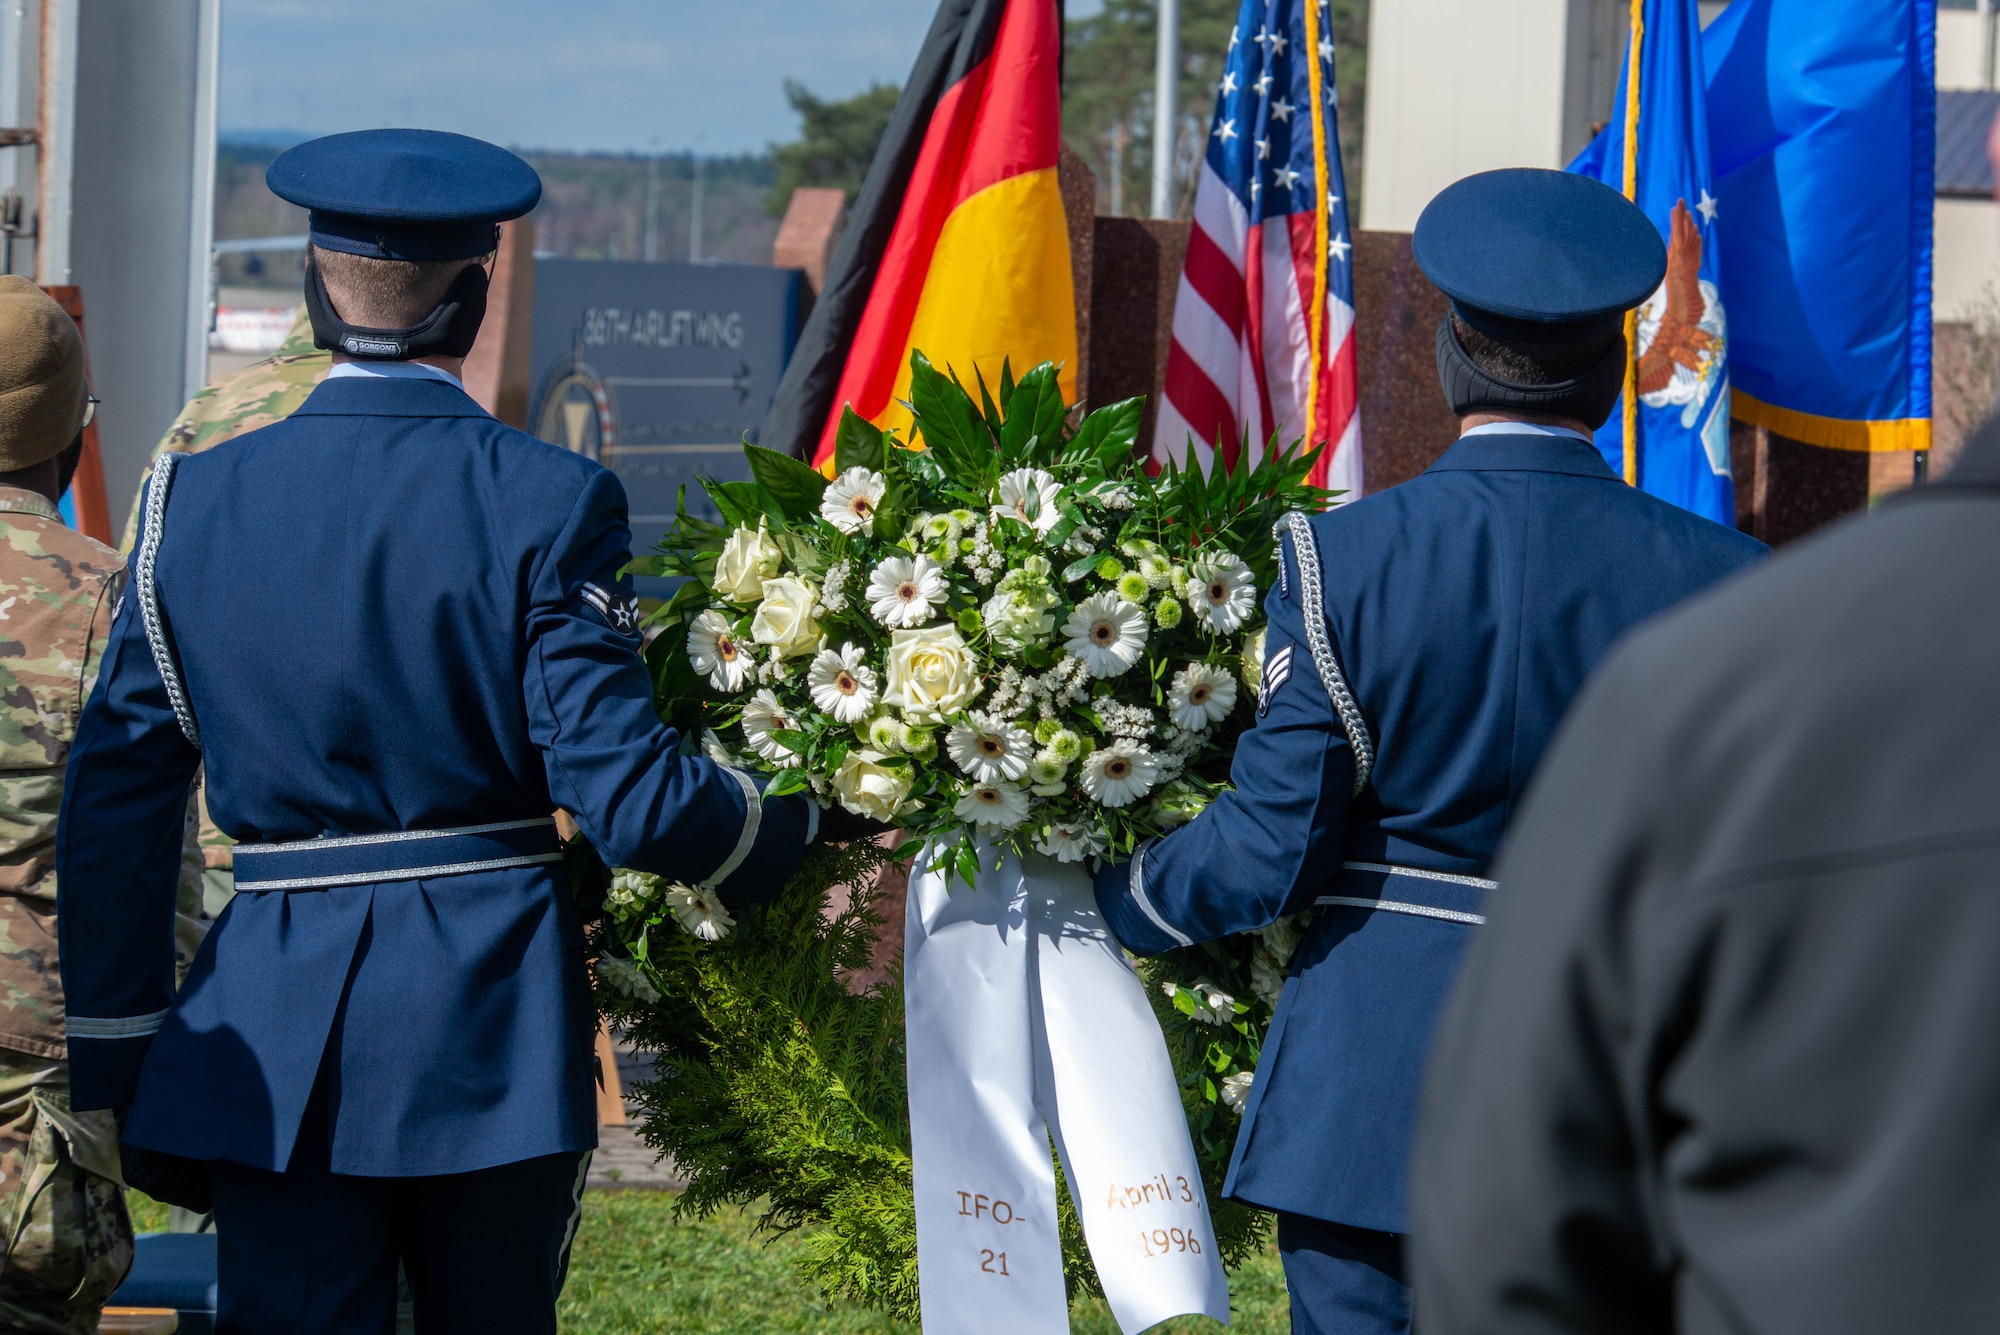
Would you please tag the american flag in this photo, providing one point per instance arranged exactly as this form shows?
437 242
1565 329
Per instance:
1270 243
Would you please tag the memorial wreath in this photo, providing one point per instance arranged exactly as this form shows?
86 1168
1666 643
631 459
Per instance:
1009 638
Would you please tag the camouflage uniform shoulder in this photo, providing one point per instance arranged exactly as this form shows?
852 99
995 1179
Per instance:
256 396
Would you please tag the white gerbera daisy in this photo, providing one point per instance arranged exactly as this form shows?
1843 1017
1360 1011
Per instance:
842 684
1222 592
850 501
990 749
1107 633
1027 490
903 590
1120 774
1236 1089
762 716
714 652
1200 696
993 806
699 911
1070 841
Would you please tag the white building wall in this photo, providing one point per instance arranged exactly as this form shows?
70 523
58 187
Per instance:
1456 87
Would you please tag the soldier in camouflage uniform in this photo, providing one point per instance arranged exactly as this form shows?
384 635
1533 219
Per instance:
68 1238
258 395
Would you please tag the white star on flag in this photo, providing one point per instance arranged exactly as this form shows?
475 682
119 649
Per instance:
1707 206
1281 110
1263 148
1263 37
1286 177
1263 84
1226 131
1326 50
1278 44
1339 247
1228 84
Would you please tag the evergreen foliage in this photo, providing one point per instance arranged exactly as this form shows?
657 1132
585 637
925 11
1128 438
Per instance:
837 140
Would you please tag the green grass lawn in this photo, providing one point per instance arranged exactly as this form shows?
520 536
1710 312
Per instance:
635 1271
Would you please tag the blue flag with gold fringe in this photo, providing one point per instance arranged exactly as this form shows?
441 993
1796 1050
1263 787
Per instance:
1823 134
1669 433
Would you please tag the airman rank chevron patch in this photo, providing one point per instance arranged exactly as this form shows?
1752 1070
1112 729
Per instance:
1277 671
619 610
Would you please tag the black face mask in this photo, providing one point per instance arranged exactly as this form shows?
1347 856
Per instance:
1588 398
449 331
66 462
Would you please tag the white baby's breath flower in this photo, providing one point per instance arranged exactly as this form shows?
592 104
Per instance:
763 715
1200 696
1236 1089
842 684
1027 490
850 501
993 806
626 977
1222 592
989 750
833 588
698 910
1107 633
902 590
713 651
1119 774
1072 841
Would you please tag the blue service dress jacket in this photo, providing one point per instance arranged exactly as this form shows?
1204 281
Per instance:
392 614
1464 609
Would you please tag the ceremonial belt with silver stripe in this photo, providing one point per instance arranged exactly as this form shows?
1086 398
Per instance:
1420 892
402 855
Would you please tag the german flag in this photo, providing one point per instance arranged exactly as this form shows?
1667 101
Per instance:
957 243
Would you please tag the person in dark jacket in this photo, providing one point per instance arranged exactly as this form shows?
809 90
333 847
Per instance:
1423 642
1723 1057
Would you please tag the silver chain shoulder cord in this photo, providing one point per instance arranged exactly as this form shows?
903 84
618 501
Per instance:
1312 597
148 591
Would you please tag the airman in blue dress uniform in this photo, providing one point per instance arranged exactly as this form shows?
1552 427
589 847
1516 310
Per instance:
396 634
1423 644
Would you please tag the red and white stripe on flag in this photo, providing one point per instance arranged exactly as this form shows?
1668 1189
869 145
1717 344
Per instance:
1240 369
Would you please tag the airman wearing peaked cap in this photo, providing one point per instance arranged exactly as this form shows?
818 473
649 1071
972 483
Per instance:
397 635
1422 645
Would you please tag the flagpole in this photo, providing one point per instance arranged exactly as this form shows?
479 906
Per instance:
1316 329
1631 396
1166 89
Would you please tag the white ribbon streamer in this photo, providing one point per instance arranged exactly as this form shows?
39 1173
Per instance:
1026 1024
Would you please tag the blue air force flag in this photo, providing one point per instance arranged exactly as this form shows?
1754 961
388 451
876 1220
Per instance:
1680 447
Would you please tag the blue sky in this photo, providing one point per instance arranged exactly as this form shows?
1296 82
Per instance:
567 74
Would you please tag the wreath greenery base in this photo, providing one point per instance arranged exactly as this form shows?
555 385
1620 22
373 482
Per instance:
781 1088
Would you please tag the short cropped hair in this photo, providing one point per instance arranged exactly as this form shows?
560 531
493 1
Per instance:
385 294
1524 363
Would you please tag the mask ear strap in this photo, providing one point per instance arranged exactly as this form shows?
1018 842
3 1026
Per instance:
448 331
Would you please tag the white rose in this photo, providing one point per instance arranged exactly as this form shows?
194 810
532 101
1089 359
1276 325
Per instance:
784 619
1253 660
931 674
867 787
747 560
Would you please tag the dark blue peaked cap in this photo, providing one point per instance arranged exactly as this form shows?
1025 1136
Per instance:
405 194
1538 256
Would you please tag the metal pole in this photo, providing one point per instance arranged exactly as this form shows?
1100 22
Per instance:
694 224
1986 42
201 265
1166 114
653 208
55 159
